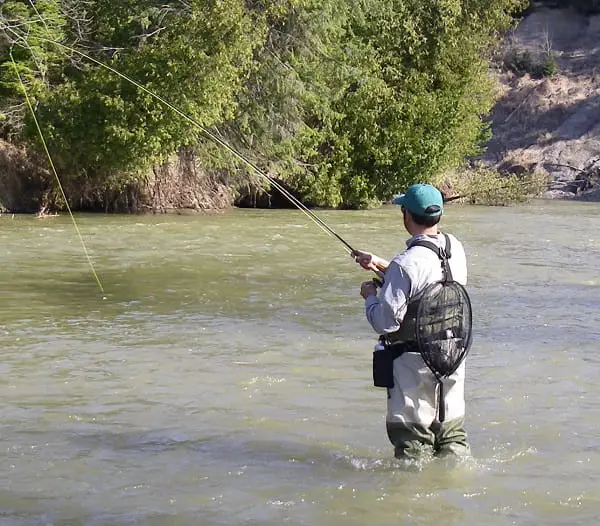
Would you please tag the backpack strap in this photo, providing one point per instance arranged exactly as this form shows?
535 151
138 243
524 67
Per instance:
444 254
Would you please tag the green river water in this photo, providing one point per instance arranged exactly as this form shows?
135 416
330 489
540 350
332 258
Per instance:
224 378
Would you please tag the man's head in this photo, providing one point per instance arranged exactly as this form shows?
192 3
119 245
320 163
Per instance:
423 204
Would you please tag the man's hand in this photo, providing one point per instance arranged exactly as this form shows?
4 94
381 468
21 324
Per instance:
367 289
370 261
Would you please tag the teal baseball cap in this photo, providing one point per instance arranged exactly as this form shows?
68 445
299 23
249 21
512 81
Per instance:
422 200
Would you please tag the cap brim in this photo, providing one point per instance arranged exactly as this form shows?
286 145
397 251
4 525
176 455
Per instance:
399 200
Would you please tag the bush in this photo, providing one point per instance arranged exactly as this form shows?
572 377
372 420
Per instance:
484 186
524 61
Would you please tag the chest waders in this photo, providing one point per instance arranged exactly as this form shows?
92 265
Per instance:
437 326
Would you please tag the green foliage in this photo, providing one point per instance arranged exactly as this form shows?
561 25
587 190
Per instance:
38 62
422 88
347 101
286 114
353 100
548 67
195 58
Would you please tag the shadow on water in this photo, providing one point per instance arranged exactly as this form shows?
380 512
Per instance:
79 287
293 454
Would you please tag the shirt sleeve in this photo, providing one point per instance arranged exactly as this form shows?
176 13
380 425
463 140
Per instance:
386 311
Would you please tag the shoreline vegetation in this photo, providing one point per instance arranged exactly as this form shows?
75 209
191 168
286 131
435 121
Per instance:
323 95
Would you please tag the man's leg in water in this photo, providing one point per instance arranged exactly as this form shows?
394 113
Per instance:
411 441
451 438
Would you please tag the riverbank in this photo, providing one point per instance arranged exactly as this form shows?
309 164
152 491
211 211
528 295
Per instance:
546 121
179 185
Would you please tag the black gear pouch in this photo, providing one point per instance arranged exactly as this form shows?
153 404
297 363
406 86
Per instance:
383 366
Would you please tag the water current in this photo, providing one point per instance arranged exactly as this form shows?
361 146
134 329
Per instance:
223 378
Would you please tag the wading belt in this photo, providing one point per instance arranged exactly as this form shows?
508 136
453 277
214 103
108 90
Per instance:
399 348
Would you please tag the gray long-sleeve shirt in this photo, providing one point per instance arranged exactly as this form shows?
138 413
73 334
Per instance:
407 276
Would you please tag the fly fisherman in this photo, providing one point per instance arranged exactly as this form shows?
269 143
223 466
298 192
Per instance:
415 422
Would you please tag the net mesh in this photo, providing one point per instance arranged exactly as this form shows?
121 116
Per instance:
444 323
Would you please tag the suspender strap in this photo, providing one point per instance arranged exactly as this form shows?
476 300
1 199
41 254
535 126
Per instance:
443 253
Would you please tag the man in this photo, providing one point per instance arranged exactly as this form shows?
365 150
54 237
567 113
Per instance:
413 415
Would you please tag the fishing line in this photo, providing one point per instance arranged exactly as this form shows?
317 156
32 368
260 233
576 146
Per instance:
60 186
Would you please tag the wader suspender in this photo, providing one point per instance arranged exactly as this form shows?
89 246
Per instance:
444 254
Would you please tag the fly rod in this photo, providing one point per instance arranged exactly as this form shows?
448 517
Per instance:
217 140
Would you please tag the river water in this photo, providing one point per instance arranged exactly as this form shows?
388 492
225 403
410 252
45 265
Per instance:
223 378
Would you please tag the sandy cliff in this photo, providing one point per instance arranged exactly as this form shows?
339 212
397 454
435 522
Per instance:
552 124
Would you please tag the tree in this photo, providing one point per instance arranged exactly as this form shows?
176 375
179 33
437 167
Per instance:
353 100
195 56
418 109
25 30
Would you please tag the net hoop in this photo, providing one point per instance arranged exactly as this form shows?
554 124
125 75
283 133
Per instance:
444 327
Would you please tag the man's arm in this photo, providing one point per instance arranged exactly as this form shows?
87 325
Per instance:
385 311
370 261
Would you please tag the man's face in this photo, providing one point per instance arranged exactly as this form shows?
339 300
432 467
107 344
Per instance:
405 218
